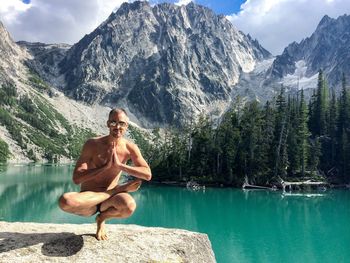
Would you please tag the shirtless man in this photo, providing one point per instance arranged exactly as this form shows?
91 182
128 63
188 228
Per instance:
98 170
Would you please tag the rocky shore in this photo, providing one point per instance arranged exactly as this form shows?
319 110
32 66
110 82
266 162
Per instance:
34 242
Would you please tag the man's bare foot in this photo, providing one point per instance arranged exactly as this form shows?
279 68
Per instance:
101 230
132 186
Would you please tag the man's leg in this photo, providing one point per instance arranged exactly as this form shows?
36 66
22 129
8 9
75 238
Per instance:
118 206
85 203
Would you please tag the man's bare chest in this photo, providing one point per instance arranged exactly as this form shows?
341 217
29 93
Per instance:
104 155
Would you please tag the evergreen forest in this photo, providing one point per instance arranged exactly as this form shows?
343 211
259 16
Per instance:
286 138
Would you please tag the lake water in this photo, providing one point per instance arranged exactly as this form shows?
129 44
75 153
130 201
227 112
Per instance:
243 226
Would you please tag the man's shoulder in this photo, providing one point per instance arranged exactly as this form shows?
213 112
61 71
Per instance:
130 145
95 141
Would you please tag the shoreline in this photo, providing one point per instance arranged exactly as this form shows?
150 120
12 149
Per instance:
198 184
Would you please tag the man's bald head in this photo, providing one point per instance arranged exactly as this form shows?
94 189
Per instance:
117 111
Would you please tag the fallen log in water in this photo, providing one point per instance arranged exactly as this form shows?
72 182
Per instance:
289 185
251 186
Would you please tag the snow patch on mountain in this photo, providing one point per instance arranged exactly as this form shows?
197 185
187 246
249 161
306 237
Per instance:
263 66
299 79
251 85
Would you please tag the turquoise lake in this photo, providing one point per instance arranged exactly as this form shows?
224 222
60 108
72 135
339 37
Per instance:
243 226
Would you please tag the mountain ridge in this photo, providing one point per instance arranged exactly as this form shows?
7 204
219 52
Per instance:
145 57
164 64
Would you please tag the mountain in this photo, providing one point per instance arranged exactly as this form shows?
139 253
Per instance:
32 126
45 59
165 63
327 49
11 58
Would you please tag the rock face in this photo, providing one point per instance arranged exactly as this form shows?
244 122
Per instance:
164 63
31 124
328 48
11 58
32 242
45 60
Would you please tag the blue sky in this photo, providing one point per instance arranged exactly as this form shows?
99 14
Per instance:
274 23
225 7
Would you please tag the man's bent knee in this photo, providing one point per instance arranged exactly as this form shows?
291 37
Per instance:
123 202
62 202
67 202
130 208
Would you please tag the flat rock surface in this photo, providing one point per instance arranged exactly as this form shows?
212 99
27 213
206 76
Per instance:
33 242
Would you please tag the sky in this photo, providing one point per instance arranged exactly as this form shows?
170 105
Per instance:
274 23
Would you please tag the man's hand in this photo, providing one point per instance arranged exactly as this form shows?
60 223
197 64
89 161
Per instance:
113 160
117 163
140 169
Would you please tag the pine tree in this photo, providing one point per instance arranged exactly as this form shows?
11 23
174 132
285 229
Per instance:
266 149
202 161
292 140
315 153
228 141
321 105
333 116
312 122
343 128
251 121
281 135
302 134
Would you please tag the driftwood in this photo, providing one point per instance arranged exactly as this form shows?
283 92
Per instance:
251 186
289 185
247 185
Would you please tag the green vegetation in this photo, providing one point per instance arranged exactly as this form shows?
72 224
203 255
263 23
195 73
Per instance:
8 95
30 120
284 139
13 127
4 151
37 82
140 138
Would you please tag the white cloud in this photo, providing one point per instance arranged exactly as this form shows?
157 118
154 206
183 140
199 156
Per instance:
183 2
277 23
54 21
10 9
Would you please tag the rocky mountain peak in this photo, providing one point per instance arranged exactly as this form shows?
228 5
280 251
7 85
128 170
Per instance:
7 45
164 63
327 49
324 21
332 28
136 5
11 57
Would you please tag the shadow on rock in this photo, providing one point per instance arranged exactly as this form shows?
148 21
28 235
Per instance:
54 244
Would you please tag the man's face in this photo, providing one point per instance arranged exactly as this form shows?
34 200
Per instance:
117 124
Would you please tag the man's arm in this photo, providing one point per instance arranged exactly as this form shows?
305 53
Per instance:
140 169
81 172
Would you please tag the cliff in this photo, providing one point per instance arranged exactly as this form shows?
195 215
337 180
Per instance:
33 242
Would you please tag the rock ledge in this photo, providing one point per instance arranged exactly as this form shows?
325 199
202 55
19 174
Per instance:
33 242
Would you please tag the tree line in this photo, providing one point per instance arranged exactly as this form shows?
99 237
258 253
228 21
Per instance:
287 138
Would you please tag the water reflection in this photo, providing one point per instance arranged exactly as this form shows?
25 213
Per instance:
30 193
243 226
